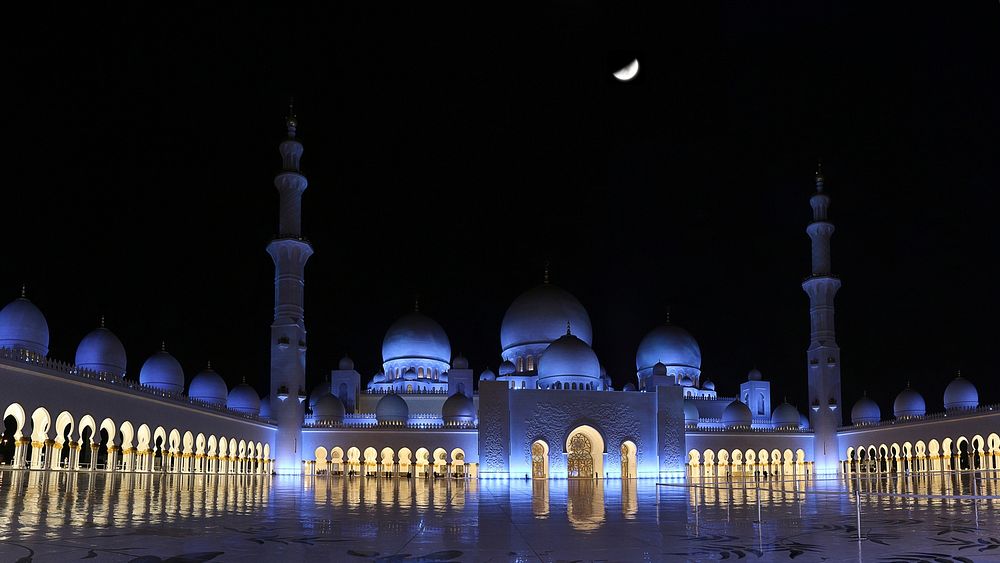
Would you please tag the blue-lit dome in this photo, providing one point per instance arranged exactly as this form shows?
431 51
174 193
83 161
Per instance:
507 367
487 375
708 385
908 403
803 422
101 351
346 363
265 407
318 392
392 409
568 357
460 362
785 416
161 371
961 394
416 336
737 415
755 375
329 409
691 414
243 399
379 377
458 409
659 368
539 316
865 411
23 327
670 344
410 374
208 387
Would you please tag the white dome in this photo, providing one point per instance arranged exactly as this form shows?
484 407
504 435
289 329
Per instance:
691 414
329 409
865 411
346 363
244 399
23 327
961 394
458 409
754 375
460 362
208 387
410 374
379 377
908 403
785 416
539 316
101 351
392 409
161 371
416 336
318 392
737 415
569 356
487 375
669 344
708 385
507 367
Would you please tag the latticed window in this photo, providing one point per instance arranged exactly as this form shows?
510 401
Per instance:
580 462
537 460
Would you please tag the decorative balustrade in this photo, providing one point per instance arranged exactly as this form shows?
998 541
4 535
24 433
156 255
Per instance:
957 413
66 369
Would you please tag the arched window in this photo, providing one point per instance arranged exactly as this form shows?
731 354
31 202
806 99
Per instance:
531 363
409 388
522 385
420 373
460 387
760 404
520 364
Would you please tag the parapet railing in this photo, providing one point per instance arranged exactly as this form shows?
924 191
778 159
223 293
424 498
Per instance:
955 413
67 369
374 425
414 392
694 428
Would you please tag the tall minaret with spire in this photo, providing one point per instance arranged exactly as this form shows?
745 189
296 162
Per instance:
288 330
823 353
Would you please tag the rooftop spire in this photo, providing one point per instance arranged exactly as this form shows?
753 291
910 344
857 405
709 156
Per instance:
545 279
24 290
163 345
209 366
668 314
567 329
291 121
102 321
819 175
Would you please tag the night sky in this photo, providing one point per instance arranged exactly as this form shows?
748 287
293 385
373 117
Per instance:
451 154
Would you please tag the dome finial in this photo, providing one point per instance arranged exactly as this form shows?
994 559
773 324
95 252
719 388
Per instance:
668 314
24 291
416 303
545 277
568 329
102 321
244 379
291 121
819 175
959 375
163 345
209 366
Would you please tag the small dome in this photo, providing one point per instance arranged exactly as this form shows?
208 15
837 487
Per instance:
161 371
318 393
629 387
410 374
416 336
708 385
670 344
101 351
691 414
540 315
803 422
460 362
507 367
329 409
392 409
865 411
208 387
346 363
961 394
458 409
659 368
265 407
243 399
487 375
737 415
685 380
379 377
23 327
754 375
569 356
785 416
908 403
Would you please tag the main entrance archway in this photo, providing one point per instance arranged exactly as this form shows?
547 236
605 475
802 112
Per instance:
585 453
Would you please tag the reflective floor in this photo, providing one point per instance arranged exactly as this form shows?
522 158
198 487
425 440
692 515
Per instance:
184 518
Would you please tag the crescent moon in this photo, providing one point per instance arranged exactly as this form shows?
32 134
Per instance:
629 71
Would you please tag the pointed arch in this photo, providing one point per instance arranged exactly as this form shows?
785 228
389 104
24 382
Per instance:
17 411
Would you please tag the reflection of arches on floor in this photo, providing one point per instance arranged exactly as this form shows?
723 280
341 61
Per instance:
539 460
585 453
628 460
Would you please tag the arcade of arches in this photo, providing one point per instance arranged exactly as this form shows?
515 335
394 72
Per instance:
946 454
730 463
81 444
388 462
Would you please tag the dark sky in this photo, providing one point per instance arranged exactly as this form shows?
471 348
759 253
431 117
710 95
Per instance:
451 154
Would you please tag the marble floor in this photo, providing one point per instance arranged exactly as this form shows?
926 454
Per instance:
56 516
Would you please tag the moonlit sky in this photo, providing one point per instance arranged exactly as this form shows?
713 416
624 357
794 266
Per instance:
452 154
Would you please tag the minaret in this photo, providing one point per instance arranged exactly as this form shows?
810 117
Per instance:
288 331
823 354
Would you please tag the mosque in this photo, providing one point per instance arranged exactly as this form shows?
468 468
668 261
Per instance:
550 410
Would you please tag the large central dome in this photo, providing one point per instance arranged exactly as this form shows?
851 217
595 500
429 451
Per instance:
416 336
539 316
671 345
